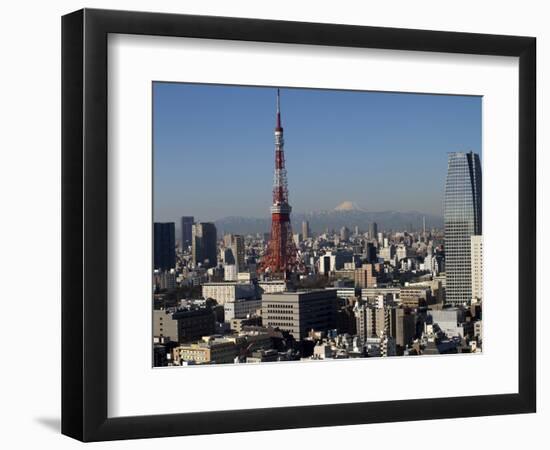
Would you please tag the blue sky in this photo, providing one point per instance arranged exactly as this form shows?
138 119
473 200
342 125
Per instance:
213 148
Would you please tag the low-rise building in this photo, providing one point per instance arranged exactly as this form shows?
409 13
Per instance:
347 292
223 292
164 279
343 274
449 320
478 330
247 277
415 296
323 351
250 340
258 356
212 350
373 293
334 260
164 326
230 272
241 308
194 322
272 286
299 312
238 325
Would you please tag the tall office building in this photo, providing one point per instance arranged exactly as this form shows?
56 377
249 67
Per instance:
164 245
370 251
373 230
477 267
235 242
306 232
186 225
205 249
344 233
462 220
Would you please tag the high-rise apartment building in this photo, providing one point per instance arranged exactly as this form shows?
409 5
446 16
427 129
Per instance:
477 266
370 322
186 228
365 276
462 221
205 249
378 322
164 245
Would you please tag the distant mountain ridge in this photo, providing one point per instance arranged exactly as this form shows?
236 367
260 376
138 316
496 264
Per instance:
346 214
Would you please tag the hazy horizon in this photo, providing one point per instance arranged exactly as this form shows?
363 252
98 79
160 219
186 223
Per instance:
267 215
213 149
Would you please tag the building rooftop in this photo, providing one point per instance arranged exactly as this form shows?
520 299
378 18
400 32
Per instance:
191 311
208 342
304 291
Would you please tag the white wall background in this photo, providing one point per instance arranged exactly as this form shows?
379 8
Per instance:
30 227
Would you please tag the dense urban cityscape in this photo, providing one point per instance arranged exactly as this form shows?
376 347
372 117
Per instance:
321 294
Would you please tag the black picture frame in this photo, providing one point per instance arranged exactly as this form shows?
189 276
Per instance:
84 224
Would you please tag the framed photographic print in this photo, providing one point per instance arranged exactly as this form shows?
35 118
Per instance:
273 224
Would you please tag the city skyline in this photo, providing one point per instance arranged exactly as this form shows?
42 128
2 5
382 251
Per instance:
341 292
227 130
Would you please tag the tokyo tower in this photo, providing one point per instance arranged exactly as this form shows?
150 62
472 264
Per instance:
280 258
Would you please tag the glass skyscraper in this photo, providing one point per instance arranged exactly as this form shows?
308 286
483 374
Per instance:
205 248
164 245
462 220
186 229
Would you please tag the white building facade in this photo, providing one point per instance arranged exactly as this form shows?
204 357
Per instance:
240 308
227 291
477 266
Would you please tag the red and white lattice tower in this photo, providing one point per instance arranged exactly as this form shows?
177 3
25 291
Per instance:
281 257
